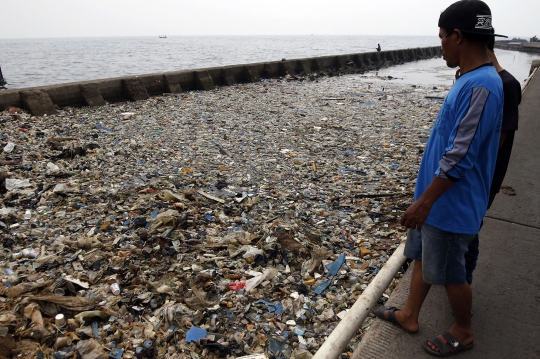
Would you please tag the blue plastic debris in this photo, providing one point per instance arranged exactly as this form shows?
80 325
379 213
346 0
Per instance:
154 213
195 334
272 307
276 348
95 329
374 269
322 286
334 267
208 217
299 331
116 353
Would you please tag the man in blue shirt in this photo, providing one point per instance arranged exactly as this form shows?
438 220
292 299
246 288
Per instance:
452 189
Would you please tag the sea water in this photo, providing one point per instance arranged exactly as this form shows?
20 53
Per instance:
48 61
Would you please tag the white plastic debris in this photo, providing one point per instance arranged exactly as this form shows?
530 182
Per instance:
9 147
13 183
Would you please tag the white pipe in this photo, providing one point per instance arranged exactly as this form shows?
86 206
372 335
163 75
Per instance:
341 336
529 80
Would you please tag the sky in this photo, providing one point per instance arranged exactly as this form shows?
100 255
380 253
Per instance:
95 18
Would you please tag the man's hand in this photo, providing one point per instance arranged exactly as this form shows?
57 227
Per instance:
416 215
418 212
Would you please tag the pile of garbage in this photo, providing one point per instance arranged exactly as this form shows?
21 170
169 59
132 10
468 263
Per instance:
238 222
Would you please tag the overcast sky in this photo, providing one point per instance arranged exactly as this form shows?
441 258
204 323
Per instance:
81 18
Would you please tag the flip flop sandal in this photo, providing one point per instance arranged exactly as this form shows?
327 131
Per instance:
447 344
379 313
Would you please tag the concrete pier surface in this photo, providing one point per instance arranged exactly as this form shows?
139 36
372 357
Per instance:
506 285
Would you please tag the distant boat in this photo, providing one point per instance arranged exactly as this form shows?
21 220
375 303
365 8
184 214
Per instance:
162 36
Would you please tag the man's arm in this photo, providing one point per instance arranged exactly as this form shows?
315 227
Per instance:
417 213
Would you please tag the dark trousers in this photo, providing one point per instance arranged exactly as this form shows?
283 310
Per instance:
471 257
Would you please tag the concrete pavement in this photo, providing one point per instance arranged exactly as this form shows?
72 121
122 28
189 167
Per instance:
506 284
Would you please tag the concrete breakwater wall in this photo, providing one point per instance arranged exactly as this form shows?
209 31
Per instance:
42 100
532 47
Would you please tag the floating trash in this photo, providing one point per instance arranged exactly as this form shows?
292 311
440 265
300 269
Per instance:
238 222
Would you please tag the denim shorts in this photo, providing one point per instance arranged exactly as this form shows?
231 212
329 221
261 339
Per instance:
442 254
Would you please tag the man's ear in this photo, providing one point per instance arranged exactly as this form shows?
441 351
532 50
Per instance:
459 36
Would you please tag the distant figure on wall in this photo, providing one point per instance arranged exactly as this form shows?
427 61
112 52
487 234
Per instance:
378 47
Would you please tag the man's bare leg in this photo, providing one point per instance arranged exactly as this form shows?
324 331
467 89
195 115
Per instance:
460 297
408 315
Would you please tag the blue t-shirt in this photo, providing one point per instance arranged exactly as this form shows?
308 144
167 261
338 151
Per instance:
463 148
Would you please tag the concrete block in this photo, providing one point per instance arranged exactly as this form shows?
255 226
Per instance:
10 98
340 61
65 94
390 56
203 80
92 94
134 89
172 83
37 102
401 55
324 63
376 59
215 73
366 59
111 89
186 80
286 67
270 69
358 60
304 66
227 76
251 74
317 64
153 83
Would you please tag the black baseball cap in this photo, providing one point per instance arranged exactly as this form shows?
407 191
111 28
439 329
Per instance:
470 16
